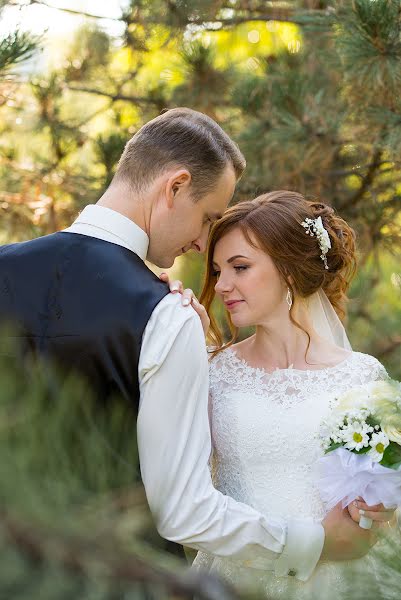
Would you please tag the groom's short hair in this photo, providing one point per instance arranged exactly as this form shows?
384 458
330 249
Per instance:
184 138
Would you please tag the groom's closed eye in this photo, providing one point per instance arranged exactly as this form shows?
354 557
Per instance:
215 217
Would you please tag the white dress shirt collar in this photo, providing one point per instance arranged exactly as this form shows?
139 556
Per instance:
110 225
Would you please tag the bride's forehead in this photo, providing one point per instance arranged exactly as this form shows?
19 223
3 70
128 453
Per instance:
235 242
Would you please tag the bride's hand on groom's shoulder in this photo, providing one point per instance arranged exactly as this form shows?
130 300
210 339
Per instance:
188 299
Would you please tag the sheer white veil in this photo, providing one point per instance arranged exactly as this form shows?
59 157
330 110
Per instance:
326 321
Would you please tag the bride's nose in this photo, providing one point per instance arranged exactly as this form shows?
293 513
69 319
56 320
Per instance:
223 285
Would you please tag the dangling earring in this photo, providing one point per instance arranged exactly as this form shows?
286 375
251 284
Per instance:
289 298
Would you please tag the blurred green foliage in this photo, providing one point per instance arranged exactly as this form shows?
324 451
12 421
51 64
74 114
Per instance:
74 521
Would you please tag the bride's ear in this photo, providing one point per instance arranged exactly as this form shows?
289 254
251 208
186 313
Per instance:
289 280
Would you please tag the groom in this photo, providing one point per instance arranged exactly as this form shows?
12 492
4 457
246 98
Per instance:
85 298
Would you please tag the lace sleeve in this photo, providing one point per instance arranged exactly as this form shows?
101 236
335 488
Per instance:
373 369
212 457
213 378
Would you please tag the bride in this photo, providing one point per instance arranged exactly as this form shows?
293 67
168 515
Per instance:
281 265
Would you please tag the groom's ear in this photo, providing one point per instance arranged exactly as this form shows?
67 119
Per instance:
178 182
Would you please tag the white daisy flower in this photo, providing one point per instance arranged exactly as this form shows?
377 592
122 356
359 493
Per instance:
356 435
378 443
331 426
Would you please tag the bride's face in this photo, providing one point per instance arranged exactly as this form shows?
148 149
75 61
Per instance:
248 283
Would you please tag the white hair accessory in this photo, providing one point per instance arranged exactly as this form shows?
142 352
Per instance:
315 227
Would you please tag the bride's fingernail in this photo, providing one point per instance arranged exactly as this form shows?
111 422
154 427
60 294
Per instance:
174 288
185 302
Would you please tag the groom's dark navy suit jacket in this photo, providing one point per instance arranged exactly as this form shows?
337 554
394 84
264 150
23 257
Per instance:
83 303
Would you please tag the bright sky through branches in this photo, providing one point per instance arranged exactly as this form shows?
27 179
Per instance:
37 18
57 26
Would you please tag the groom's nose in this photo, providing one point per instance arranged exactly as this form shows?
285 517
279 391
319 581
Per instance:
200 244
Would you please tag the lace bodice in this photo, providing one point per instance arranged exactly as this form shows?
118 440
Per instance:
265 431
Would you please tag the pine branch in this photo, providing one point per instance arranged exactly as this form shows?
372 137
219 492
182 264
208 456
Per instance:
116 96
75 12
15 48
74 555
210 23
356 169
280 14
368 179
91 116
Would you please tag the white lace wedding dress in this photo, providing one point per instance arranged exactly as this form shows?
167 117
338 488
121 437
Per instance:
264 430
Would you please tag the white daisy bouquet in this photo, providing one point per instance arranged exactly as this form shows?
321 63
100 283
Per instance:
362 444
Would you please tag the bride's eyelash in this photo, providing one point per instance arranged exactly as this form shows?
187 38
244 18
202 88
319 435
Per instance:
238 268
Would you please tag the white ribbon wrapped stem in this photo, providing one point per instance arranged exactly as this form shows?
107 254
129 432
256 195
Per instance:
343 476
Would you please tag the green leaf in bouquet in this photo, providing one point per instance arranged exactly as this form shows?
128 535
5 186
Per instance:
333 446
395 466
392 456
372 421
363 450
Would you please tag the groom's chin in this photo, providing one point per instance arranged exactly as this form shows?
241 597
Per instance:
164 263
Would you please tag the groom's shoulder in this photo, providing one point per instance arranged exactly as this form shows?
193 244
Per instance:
170 313
23 247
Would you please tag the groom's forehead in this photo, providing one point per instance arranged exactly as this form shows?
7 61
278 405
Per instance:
223 190
226 177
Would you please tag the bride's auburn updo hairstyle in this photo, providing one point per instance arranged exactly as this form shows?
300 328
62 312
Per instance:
273 223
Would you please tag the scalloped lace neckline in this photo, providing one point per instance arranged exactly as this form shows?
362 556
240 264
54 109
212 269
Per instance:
277 370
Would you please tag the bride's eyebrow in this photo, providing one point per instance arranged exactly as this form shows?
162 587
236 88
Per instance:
230 260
